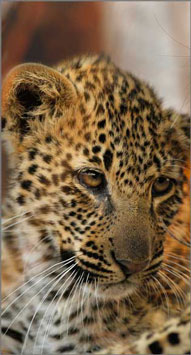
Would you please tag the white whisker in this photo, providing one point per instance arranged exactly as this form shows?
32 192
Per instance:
97 304
53 312
32 250
175 289
6 220
179 266
83 299
164 292
185 278
61 263
173 236
80 292
14 224
57 278
71 300
175 256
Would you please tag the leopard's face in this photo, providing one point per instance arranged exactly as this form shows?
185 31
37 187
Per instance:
102 175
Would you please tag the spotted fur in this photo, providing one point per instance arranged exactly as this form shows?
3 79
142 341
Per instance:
88 114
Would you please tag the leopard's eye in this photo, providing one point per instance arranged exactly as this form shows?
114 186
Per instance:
92 178
161 186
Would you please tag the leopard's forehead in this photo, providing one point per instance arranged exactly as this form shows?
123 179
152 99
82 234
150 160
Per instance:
116 125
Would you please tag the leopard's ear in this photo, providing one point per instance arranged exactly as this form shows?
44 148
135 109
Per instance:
31 91
176 131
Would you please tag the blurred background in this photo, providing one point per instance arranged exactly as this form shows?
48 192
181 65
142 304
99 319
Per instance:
151 39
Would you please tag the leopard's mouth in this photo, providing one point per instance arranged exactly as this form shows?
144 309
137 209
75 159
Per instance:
105 286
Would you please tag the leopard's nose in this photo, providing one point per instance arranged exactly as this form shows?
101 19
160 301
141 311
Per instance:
128 267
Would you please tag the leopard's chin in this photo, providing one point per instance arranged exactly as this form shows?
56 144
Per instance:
117 290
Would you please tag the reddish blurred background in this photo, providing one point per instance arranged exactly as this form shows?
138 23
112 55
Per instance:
149 38
49 31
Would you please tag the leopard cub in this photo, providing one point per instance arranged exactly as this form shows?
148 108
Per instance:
95 230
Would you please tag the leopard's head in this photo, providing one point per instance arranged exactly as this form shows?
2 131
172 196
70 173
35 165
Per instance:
98 165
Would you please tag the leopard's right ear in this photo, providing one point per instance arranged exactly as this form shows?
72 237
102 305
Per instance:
31 91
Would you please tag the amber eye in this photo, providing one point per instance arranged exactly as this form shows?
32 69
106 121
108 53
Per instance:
161 186
92 178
